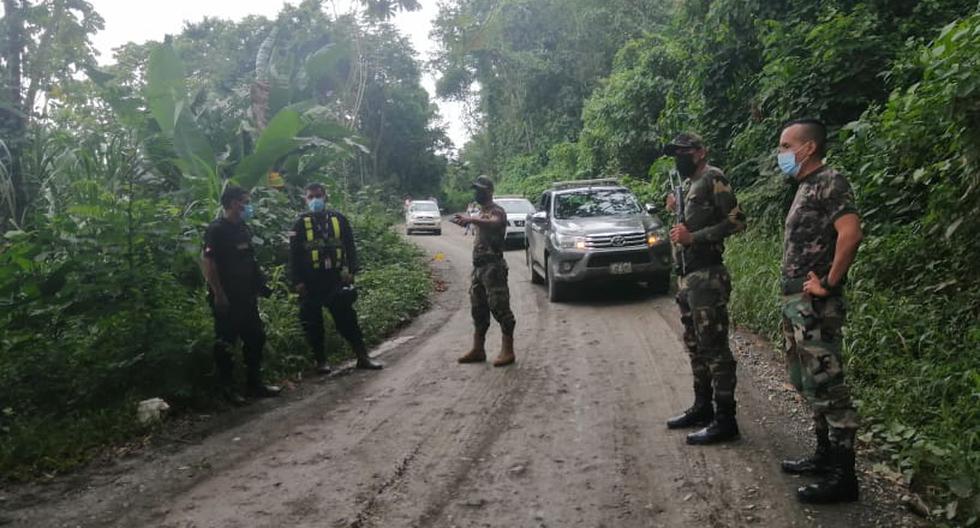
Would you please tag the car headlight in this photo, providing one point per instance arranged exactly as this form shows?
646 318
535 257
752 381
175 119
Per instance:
657 236
569 241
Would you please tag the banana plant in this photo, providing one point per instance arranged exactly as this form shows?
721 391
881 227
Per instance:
297 128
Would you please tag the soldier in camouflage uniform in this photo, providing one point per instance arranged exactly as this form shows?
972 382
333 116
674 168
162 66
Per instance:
489 293
821 238
710 214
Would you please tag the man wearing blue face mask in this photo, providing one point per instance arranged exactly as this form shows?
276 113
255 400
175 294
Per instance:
235 282
322 265
822 234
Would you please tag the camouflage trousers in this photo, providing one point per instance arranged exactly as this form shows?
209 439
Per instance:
702 297
812 342
489 294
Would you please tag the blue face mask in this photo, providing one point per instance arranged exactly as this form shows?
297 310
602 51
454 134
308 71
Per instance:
248 213
316 205
788 164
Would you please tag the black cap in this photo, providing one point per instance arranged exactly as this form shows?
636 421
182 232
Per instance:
484 183
684 140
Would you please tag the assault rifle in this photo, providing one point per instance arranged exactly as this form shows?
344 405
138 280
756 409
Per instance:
676 182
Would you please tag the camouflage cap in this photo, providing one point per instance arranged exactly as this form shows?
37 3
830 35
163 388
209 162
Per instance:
684 140
484 183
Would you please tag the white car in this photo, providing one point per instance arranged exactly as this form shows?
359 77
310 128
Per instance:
423 215
517 208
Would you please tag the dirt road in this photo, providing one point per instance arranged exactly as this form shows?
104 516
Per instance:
571 436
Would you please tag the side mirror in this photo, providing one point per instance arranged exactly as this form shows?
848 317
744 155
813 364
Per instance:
539 217
652 209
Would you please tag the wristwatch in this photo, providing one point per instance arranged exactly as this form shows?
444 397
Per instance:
833 290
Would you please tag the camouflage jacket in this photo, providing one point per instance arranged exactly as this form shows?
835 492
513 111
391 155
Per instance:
810 239
711 214
489 243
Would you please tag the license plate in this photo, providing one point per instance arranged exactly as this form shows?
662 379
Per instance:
519 223
621 268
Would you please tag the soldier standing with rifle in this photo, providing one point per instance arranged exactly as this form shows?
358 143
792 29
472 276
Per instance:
710 213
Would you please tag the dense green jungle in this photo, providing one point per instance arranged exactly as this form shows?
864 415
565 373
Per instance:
109 174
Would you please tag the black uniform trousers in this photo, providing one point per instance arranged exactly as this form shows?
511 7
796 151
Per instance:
344 317
240 321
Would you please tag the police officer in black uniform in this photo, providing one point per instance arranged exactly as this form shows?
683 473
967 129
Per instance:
322 264
234 285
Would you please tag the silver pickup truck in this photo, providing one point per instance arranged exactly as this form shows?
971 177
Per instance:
595 230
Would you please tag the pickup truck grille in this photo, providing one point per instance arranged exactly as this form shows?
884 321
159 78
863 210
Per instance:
618 240
603 260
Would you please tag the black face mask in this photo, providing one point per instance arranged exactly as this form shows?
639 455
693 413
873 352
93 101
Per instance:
480 196
685 165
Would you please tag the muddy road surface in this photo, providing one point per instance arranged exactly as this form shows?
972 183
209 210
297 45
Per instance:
572 435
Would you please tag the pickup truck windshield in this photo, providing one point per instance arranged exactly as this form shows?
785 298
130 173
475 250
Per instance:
595 203
516 206
424 207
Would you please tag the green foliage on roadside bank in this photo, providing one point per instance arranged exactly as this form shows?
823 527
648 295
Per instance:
107 184
93 328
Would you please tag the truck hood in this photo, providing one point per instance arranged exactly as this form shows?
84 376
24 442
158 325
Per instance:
607 224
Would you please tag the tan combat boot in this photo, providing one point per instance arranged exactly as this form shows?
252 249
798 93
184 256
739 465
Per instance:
506 356
478 353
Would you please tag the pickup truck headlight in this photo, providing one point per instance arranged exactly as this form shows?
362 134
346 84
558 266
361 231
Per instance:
570 242
657 236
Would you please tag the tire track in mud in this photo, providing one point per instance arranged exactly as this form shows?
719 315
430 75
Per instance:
363 516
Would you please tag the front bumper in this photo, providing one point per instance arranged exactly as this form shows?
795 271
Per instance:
598 264
515 234
424 224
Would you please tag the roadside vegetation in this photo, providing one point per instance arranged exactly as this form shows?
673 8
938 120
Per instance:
108 177
561 97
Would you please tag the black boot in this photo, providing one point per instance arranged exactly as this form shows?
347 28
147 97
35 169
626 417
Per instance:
818 463
364 360
262 391
323 368
230 395
254 388
722 429
698 415
838 485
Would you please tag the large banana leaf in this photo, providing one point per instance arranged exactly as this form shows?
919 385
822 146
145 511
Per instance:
328 68
166 94
277 140
166 89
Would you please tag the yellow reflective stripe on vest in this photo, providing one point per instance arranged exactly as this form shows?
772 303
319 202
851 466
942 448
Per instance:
315 253
336 234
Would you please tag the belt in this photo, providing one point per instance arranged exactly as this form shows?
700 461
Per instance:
698 266
487 259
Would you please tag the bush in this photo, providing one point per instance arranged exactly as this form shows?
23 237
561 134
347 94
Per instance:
103 306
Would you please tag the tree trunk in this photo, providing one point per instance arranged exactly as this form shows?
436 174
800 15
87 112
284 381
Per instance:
12 116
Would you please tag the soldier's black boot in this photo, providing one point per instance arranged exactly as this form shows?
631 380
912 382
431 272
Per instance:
364 360
698 415
838 485
254 388
722 429
816 464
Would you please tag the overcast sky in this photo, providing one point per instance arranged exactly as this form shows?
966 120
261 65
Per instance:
139 21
